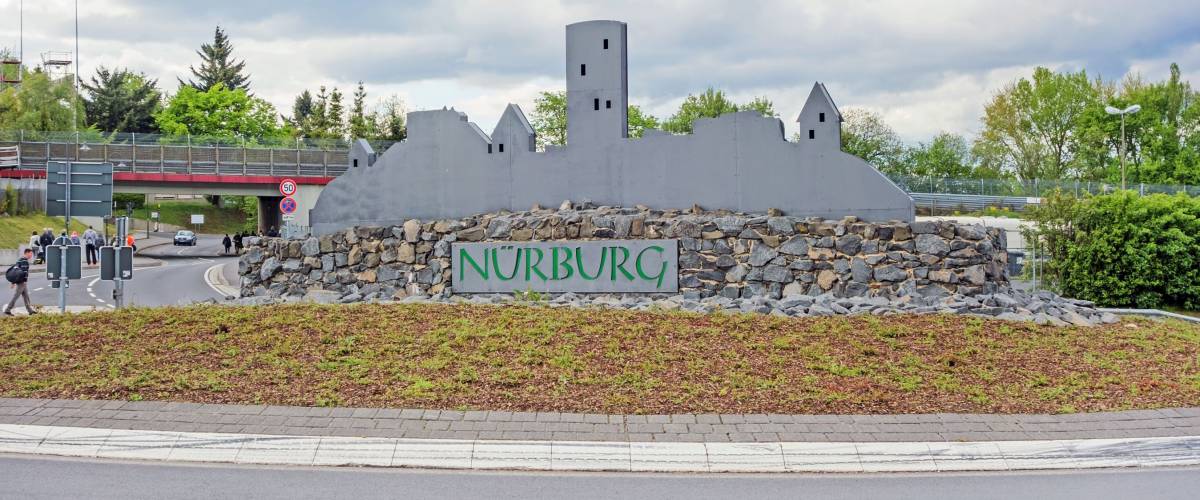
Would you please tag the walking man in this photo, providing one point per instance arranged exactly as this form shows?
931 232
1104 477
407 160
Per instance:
18 278
227 243
92 241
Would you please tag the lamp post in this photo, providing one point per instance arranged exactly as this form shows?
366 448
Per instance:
1121 147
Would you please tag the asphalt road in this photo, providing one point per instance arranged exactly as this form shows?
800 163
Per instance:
44 477
179 280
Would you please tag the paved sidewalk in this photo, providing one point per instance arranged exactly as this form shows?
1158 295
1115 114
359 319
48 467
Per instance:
524 426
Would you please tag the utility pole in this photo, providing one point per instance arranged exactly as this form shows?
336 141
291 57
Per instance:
1121 147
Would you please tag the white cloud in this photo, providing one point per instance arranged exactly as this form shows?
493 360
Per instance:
926 66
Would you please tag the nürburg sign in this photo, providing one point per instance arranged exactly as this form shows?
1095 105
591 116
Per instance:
608 266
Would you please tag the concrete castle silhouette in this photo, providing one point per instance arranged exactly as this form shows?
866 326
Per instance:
449 168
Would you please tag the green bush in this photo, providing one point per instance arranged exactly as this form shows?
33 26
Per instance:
120 199
1122 249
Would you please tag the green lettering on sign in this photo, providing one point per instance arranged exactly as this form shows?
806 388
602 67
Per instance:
593 266
579 263
559 264
662 271
464 257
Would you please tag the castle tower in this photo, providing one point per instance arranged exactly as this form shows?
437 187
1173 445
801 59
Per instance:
597 82
820 121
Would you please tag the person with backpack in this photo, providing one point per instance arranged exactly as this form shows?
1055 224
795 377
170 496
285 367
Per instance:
93 242
227 243
18 278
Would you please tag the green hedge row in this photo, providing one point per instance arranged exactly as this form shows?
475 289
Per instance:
1123 250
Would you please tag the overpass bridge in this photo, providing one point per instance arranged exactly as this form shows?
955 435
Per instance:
156 164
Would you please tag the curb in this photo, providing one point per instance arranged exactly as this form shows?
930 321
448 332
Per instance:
215 279
600 456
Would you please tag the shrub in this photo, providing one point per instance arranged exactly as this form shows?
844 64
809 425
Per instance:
1122 249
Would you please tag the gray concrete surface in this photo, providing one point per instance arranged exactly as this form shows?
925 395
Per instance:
713 428
448 167
36 478
164 275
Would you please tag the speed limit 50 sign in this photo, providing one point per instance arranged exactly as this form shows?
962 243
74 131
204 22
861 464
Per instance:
287 187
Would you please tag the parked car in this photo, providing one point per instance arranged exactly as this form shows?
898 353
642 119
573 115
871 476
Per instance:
185 238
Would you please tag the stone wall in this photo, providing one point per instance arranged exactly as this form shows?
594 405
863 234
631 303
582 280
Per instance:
721 253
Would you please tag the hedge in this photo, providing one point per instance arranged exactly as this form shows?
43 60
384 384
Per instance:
1123 250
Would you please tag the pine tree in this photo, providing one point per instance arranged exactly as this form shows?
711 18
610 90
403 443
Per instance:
319 122
121 101
302 113
218 66
336 115
362 126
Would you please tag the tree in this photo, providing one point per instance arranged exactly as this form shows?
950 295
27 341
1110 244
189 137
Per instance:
946 155
640 121
390 119
217 66
122 101
336 115
550 118
219 112
303 108
867 136
1031 127
710 104
362 125
40 103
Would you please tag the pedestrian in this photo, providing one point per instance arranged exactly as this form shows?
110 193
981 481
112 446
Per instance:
18 279
227 243
46 240
35 244
129 242
92 242
75 238
237 242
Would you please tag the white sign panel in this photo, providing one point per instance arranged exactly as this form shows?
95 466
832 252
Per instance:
197 218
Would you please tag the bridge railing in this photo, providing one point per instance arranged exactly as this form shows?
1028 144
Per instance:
155 153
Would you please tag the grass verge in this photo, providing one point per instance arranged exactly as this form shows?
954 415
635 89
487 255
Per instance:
217 220
605 361
15 230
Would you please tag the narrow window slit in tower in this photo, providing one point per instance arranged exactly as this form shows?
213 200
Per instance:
489 149
607 104
812 134
822 118
502 147
596 104
582 70
605 44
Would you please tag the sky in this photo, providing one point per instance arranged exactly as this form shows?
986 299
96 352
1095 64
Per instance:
926 66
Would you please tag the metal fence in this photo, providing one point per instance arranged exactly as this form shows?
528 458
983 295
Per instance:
1034 188
154 153
30 193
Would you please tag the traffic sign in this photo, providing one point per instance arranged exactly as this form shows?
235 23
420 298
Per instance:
79 189
197 218
108 261
287 205
287 187
54 267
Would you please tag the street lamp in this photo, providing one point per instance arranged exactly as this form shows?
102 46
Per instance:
1121 147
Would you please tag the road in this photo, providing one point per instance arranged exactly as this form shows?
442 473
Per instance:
47 477
178 280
